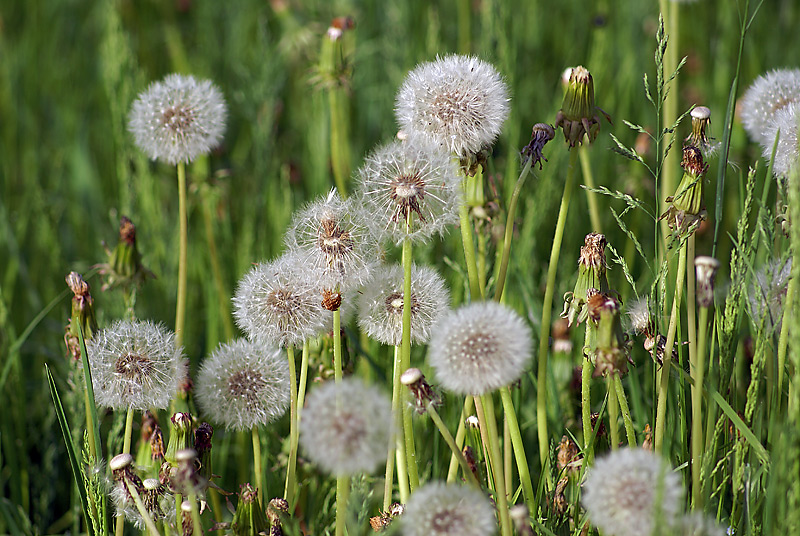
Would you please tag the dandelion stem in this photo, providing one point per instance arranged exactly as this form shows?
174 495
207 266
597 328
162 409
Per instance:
613 411
698 372
337 346
397 448
469 251
180 309
461 432
257 464
547 305
301 389
509 231
342 495
519 448
630 431
586 398
486 417
783 339
289 489
148 521
405 363
591 197
448 438
197 525
126 440
661 407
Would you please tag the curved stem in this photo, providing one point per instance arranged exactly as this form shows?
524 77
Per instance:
180 309
509 232
448 438
301 389
547 305
148 520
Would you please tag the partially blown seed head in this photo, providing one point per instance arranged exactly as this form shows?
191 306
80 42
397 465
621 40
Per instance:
762 100
135 365
244 384
178 119
787 153
479 348
439 509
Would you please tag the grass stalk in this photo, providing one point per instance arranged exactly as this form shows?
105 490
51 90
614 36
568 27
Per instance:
448 438
783 339
180 308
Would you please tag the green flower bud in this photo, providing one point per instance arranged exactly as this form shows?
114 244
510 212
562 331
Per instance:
578 115
249 519
82 314
612 348
688 207
182 436
124 267
591 275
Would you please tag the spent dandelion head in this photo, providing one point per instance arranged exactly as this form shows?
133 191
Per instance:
701 119
332 238
541 133
346 427
787 153
177 119
135 365
591 275
381 304
278 303
456 102
479 348
630 491
439 509
409 183
244 384
769 93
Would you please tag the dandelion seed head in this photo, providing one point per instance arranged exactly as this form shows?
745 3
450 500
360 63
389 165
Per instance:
769 93
244 384
456 102
408 181
279 303
767 294
630 490
787 153
479 348
346 427
135 365
698 524
177 119
439 509
380 304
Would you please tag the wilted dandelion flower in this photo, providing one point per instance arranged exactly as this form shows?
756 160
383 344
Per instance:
630 491
346 427
407 181
278 303
762 100
479 348
243 385
787 154
177 119
135 365
457 102
331 236
380 304
439 509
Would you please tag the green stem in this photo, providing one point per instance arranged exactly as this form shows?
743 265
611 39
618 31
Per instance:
591 197
148 521
698 373
783 339
397 448
509 231
461 433
197 525
469 251
630 431
301 389
180 309
547 305
257 464
289 489
126 439
519 448
663 381
337 346
486 417
342 495
448 438
613 412
586 396
223 299
405 363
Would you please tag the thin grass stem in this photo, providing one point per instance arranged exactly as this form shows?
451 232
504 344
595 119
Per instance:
448 438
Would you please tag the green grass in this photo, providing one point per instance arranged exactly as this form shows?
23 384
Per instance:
69 71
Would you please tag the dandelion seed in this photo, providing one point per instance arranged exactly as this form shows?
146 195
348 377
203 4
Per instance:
346 427
479 348
278 303
331 236
178 119
438 509
135 365
243 385
630 491
407 182
787 153
457 102
764 98
381 304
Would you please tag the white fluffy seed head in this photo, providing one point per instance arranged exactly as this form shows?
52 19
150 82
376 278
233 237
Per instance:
279 303
380 304
409 181
439 509
630 490
346 427
787 154
135 365
767 294
456 102
762 100
333 240
177 119
698 524
243 385
479 348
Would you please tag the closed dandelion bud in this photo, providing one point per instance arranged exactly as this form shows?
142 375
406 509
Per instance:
769 94
82 315
124 267
249 519
630 492
438 509
579 116
706 268
611 353
591 275
479 348
701 118
688 206
421 390
181 436
346 427
540 135
202 444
